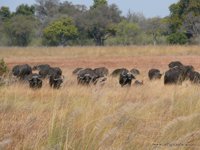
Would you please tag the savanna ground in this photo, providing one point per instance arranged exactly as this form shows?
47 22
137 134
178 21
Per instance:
106 117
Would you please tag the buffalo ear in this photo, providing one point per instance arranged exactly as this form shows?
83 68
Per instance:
56 79
132 76
39 76
40 81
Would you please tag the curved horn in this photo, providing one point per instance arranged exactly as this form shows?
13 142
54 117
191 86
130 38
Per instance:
123 73
56 79
87 75
35 77
80 77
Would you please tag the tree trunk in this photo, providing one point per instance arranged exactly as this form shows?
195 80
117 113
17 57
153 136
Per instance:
99 41
155 39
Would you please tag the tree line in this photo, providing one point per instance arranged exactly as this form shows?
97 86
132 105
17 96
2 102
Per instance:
56 23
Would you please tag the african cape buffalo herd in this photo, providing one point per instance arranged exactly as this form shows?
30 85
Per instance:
177 73
35 80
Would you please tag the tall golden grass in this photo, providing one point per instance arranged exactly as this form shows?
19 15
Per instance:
105 117
112 51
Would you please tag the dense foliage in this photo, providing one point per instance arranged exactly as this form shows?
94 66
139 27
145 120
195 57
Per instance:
60 32
53 23
3 67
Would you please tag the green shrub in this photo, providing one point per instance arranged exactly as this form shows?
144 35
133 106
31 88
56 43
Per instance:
177 38
3 67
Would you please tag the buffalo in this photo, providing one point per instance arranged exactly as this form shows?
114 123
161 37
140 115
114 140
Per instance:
154 74
126 79
43 70
177 75
138 83
135 72
55 71
46 70
55 77
102 71
55 81
41 67
76 71
175 64
87 76
85 79
35 81
117 72
194 77
22 71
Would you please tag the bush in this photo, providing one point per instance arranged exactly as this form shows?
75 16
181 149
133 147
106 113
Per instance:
3 67
177 38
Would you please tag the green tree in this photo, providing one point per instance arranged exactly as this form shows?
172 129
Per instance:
60 32
20 29
46 10
99 23
184 16
127 33
5 13
175 20
98 3
156 27
25 10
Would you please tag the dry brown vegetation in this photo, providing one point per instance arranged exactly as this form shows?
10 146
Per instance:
153 116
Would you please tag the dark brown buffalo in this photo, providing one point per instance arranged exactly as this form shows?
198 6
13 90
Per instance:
87 76
102 71
76 71
154 74
55 81
175 64
117 72
138 83
22 71
177 75
194 77
35 81
126 78
55 71
135 72
43 70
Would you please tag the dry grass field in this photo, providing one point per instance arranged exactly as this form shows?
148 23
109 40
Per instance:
106 117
